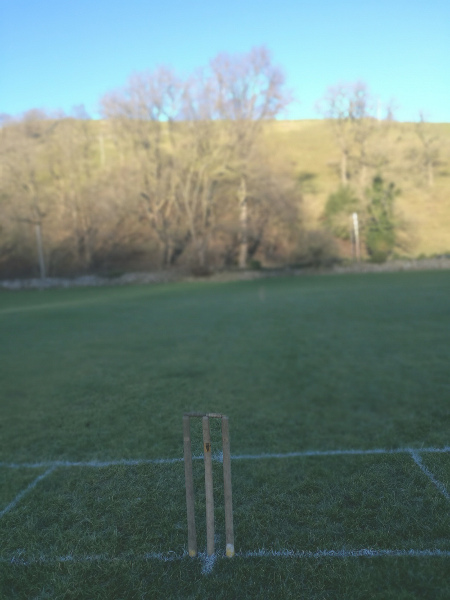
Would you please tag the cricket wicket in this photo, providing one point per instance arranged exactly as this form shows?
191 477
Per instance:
190 498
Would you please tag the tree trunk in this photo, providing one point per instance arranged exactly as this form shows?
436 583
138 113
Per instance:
344 178
201 253
37 227
243 222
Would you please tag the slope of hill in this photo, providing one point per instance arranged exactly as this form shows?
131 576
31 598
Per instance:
309 149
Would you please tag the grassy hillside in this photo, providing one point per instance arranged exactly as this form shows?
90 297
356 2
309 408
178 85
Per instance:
309 149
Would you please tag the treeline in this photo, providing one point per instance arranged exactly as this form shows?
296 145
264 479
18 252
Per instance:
177 174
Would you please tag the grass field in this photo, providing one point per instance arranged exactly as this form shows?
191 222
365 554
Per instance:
338 393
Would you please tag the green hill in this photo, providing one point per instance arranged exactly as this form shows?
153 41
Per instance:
309 150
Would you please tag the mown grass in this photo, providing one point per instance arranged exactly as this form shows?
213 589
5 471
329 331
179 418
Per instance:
312 363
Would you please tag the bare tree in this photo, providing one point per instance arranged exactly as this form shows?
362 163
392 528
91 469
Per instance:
146 115
429 153
175 171
75 168
250 91
350 110
189 137
25 177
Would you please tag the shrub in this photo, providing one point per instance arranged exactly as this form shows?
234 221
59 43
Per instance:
380 236
340 205
317 248
255 265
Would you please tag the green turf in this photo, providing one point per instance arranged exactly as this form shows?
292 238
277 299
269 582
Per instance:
439 464
310 503
311 363
14 481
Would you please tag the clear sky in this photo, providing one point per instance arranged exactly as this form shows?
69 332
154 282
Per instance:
55 54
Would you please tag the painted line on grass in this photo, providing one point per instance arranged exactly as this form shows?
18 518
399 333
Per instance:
364 552
218 458
349 452
208 562
25 491
93 463
440 486
20 559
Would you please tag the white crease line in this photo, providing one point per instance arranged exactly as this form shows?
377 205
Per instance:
440 486
93 463
209 561
365 552
218 458
21 494
19 559
350 452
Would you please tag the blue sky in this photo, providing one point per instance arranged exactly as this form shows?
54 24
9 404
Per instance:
55 54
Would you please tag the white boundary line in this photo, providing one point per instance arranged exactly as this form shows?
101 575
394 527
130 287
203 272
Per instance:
218 458
25 491
440 486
